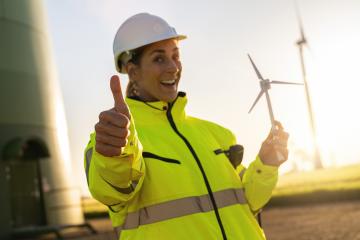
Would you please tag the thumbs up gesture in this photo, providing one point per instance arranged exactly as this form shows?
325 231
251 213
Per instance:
112 130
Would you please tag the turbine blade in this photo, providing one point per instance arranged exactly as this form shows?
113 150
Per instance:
281 82
255 68
301 28
256 100
303 38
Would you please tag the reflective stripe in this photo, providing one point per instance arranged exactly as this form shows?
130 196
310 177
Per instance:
181 207
241 174
88 156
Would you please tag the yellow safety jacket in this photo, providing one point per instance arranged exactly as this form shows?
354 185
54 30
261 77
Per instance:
170 184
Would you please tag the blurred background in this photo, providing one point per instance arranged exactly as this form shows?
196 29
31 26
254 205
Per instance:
319 184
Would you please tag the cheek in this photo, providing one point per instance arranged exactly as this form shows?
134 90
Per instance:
149 79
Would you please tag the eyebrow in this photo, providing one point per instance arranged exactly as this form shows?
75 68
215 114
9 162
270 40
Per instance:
162 50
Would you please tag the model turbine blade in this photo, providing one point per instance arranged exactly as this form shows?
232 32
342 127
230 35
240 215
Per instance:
256 100
302 39
281 82
255 68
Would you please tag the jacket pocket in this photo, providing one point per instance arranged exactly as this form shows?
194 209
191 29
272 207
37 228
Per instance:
164 159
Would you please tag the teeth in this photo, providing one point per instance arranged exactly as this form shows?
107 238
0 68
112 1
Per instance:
172 81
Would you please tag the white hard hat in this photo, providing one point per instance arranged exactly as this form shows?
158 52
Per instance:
137 31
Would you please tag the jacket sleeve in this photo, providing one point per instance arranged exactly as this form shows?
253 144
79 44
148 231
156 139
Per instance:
115 180
259 180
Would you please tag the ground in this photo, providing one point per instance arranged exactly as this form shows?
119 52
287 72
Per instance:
330 221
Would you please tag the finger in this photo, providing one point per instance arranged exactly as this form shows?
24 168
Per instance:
269 136
110 140
279 142
107 150
119 102
283 150
115 118
278 125
111 130
275 132
280 134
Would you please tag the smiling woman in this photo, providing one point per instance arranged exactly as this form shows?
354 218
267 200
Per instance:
164 174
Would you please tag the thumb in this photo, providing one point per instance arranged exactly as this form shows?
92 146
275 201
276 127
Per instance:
119 102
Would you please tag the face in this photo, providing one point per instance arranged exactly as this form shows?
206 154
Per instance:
158 73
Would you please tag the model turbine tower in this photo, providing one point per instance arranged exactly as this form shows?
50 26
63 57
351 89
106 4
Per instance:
301 43
265 85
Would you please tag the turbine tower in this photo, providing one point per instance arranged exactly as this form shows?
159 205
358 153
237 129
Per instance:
301 43
38 192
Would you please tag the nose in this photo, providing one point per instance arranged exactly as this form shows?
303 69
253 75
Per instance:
174 66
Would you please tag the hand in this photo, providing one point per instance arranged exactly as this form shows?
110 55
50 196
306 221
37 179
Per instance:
112 129
275 145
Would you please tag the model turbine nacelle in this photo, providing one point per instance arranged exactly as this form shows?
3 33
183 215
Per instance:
265 84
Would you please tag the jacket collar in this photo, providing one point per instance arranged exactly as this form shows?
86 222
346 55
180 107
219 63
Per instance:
144 111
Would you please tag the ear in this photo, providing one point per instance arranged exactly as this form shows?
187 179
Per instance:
131 70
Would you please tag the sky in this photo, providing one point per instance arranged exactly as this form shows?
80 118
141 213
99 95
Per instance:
217 76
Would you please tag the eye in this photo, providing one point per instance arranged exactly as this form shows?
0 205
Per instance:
159 59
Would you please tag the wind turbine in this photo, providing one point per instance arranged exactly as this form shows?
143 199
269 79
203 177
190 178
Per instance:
301 43
265 85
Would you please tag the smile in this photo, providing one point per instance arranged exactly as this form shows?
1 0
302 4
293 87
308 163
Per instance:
168 82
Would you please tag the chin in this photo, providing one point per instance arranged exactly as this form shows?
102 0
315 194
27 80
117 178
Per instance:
169 97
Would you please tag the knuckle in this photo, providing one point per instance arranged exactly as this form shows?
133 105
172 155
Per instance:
115 151
123 142
99 138
127 122
97 127
100 149
123 119
102 115
127 133
123 132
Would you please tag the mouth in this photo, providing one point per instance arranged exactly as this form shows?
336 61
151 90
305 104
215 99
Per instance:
169 89
168 83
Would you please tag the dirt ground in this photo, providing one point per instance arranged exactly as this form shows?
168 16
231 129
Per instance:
331 221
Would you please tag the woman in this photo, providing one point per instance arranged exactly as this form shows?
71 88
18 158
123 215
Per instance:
164 174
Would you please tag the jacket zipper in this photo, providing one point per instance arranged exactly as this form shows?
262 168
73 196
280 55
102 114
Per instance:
207 184
151 155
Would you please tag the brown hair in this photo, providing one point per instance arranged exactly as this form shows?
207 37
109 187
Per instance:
136 55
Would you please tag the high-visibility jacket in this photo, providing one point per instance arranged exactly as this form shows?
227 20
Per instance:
169 183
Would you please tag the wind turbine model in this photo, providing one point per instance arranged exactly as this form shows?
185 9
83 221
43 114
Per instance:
265 85
301 43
